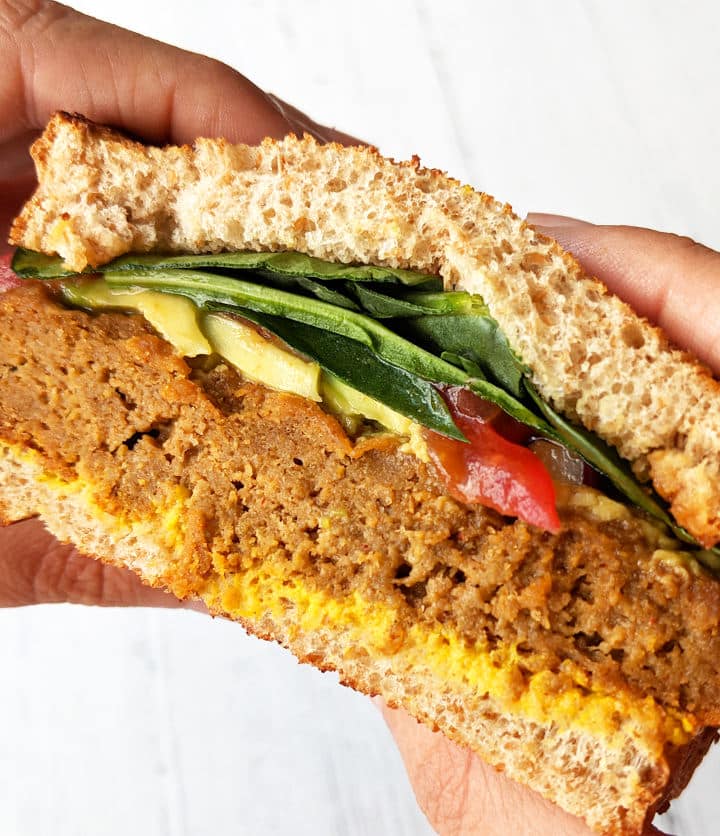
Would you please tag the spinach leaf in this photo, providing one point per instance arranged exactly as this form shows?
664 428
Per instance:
464 363
320 290
514 407
208 289
30 264
382 305
606 460
446 302
402 304
474 337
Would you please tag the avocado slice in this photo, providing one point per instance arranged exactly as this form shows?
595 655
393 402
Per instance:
174 317
260 359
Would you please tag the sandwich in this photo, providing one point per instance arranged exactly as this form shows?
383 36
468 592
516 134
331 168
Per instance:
370 414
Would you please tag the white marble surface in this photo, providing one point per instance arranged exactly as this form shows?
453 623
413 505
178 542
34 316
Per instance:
119 722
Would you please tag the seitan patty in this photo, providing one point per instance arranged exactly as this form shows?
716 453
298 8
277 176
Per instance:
269 477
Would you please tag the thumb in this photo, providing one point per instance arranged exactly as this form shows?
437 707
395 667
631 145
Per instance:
671 280
461 794
36 569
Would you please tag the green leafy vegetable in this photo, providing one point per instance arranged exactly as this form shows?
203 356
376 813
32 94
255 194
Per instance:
447 302
475 337
391 303
207 289
428 337
606 460
382 305
464 363
31 264
513 407
323 291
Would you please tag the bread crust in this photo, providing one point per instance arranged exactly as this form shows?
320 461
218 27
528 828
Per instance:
101 195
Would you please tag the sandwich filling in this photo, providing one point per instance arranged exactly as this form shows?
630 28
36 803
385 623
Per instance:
353 461
267 507
374 345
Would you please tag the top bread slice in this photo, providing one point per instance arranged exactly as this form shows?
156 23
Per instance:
101 195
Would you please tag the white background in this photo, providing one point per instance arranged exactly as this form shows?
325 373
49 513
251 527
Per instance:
120 722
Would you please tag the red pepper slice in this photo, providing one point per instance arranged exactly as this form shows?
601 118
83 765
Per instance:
493 469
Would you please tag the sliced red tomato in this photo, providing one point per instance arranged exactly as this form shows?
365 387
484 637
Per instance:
8 279
493 469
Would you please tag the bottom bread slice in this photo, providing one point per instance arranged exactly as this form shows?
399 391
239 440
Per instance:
614 783
515 643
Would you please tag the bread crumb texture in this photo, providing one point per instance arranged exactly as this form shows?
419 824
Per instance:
102 195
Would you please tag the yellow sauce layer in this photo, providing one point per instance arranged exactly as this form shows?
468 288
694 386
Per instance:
566 700
166 525
375 628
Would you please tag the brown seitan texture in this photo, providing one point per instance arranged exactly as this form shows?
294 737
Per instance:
269 477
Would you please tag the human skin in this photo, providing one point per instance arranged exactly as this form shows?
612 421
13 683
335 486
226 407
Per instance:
56 59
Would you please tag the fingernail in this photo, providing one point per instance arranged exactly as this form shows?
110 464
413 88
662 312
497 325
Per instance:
299 122
285 111
545 222
276 102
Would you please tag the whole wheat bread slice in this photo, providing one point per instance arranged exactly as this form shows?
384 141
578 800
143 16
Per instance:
101 195
615 790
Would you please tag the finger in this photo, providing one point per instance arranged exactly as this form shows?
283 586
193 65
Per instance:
460 794
671 280
653 831
69 61
35 568
17 179
14 193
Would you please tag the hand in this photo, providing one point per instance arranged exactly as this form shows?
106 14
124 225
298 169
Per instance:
675 283
60 59
55 58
